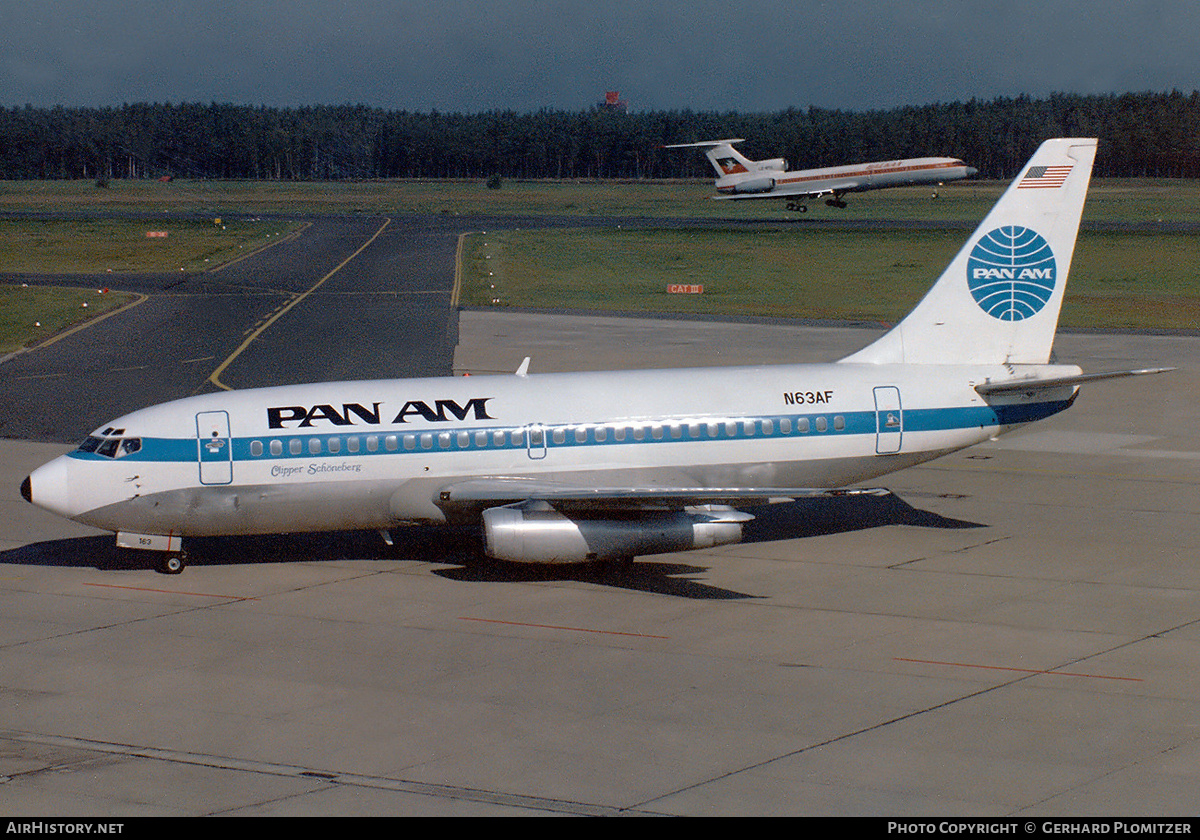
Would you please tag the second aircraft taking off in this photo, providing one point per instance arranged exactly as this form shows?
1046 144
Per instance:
738 177
597 466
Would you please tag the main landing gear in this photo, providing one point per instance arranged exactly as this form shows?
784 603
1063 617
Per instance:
801 207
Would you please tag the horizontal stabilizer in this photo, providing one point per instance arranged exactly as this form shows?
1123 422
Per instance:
1036 384
705 144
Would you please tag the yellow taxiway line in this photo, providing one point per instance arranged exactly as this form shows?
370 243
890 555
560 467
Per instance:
215 376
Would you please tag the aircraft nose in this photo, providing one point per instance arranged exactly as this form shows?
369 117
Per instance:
971 170
49 487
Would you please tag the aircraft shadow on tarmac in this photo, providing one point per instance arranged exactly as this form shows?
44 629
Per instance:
460 548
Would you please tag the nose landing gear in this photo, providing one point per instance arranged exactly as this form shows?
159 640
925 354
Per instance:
171 563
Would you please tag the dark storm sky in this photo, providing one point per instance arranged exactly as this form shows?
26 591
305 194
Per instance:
456 55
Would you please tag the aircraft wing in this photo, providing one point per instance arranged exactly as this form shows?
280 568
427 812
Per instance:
490 492
787 191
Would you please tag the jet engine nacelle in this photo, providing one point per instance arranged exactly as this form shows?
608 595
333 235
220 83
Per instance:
773 165
755 185
534 532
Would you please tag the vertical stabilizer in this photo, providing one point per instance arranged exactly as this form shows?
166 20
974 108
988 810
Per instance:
725 159
999 299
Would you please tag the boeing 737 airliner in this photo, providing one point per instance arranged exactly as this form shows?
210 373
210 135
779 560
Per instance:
595 466
738 177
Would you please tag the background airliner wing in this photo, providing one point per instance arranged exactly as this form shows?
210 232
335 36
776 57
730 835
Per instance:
489 492
786 191
776 194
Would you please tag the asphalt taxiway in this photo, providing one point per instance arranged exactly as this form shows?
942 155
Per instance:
1014 632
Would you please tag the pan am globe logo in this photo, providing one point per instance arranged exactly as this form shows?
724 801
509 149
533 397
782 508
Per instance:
1011 273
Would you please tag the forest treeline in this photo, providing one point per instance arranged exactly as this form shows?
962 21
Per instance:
1142 135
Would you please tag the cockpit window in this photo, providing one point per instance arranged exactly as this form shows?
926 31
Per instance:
111 447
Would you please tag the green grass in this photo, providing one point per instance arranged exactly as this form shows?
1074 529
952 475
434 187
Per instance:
29 314
783 274
1118 280
110 247
364 197
103 244
1121 199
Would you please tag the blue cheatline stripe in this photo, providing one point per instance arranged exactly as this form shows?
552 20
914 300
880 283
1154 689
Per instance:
513 438
978 417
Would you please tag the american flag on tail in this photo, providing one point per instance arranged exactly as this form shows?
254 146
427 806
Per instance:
1044 177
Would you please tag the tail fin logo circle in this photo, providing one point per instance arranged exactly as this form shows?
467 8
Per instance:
1011 273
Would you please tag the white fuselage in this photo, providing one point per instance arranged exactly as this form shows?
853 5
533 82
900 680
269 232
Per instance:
372 454
842 179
